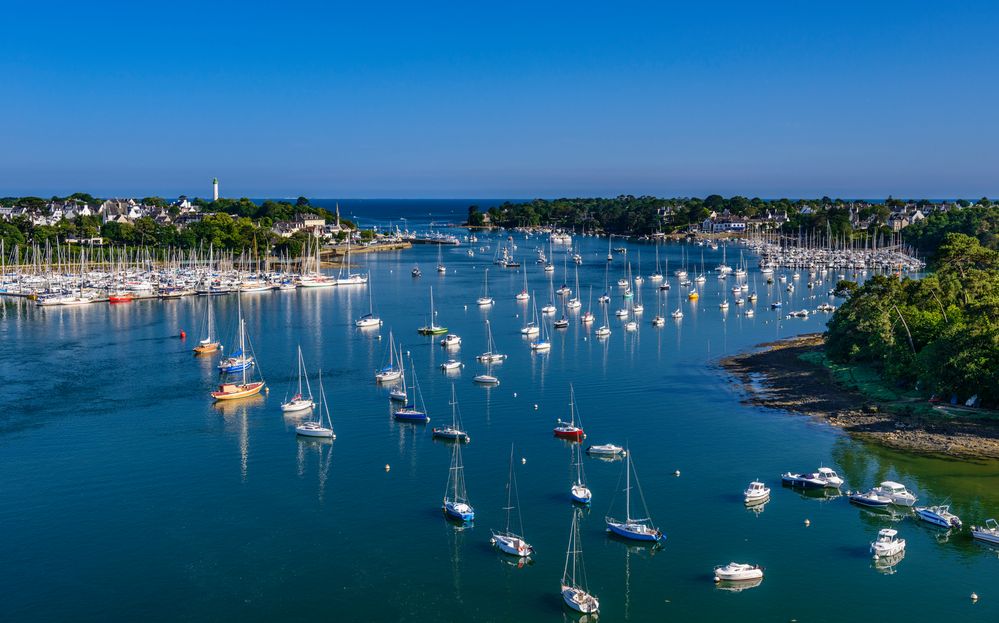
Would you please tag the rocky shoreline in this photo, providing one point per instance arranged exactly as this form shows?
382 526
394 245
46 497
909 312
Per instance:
776 376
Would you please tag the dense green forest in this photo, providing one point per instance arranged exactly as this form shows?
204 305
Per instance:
940 333
980 221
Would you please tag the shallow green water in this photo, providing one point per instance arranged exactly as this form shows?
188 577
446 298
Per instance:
126 493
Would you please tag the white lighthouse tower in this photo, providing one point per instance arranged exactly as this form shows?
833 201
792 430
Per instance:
215 189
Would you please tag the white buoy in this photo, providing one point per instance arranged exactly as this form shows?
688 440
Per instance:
387 467
676 473
974 597
523 461
466 307
535 406
379 337
407 353
514 394
807 523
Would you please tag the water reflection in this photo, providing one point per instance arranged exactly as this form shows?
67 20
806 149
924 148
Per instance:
235 416
323 450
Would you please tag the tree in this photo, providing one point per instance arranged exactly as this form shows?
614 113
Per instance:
475 218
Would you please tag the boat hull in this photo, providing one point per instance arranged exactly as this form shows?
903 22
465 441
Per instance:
297 405
411 415
579 600
629 532
456 512
241 391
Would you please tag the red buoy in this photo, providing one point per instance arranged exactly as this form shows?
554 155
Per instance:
183 335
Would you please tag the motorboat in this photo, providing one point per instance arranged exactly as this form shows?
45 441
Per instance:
831 479
738 572
988 533
485 379
871 499
607 449
887 544
451 340
451 364
938 516
823 478
899 495
756 493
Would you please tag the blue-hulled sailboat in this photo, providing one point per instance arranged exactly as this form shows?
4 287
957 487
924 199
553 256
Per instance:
456 504
633 528
409 412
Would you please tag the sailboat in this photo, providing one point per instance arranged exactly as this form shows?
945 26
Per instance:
543 341
633 528
300 401
507 541
210 343
491 355
524 295
243 389
658 275
453 431
239 361
400 394
485 300
574 302
579 492
531 327
587 316
322 426
605 298
440 261
431 328
678 312
409 412
569 430
456 504
369 319
574 590
316 278
392 371
604 329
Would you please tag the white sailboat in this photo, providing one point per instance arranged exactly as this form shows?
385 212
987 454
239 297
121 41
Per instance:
431 328
543 341
400 393
587 316
485 300
322 426
531 327
369 319
393 371
604 329
441 268
574 590
579 492
574 302
491 355
506 541
524 295
453 432
300 401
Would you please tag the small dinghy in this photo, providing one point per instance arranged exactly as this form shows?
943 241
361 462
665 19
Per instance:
757 493
938 516
607 449
871 499
738 572
887 544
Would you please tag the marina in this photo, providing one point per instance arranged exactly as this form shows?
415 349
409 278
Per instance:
253 474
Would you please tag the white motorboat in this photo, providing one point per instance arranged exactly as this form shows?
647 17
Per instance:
486 379
887 543
988 533
738 572
896 492
451 340
757 493
829 478
607 449
938 516
451 364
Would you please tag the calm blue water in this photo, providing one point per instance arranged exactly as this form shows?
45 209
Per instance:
126 494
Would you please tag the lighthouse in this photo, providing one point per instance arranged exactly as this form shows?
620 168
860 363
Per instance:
215 189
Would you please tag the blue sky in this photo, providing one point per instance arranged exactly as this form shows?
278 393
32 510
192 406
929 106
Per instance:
511 99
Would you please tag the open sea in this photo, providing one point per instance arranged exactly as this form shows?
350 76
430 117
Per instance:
126 494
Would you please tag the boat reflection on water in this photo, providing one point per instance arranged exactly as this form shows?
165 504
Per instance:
876 517
757 508
322 447
235 415
886 564
731 586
